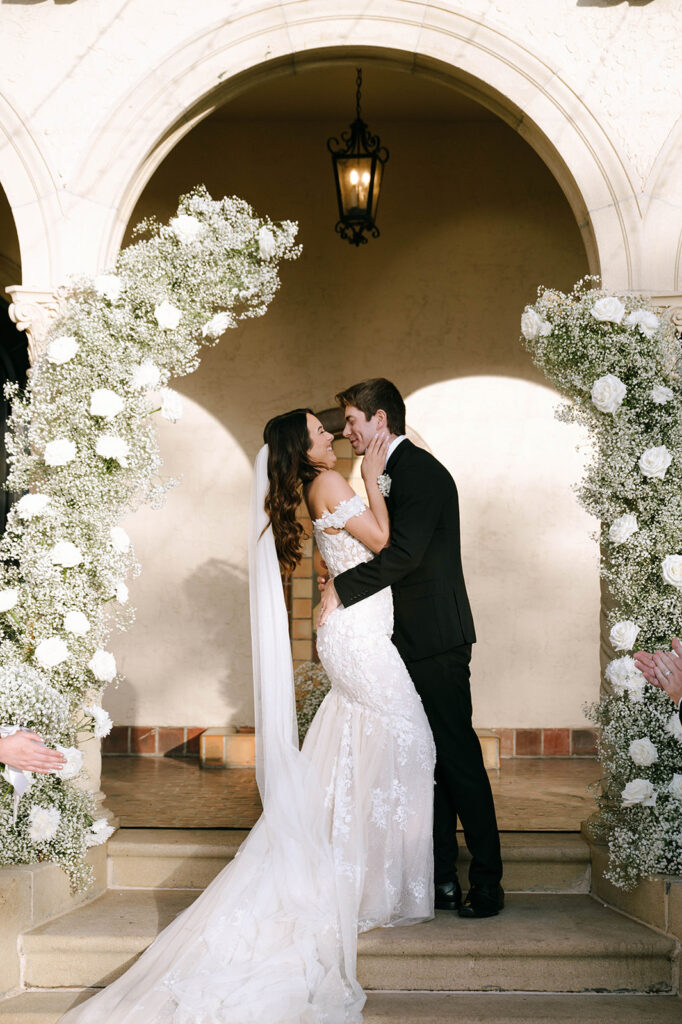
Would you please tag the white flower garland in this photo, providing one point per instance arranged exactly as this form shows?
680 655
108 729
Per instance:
618 361
82 444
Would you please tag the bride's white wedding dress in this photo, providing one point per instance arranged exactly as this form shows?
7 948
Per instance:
343 845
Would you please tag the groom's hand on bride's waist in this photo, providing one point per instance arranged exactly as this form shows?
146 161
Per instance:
330 600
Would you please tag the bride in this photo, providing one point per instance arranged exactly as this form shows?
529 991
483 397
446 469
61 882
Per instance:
344 842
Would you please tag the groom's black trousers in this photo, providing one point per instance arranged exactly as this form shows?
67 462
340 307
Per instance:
462 785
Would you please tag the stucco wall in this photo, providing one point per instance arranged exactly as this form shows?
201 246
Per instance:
434 304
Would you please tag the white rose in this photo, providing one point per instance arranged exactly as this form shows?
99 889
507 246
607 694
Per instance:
675 787
167 315
103 666
108 286
106 403
530 324
44 822
645 320
146 375
61 349
671 567
76 623
217 326
100 831
110 447
59 452
120 539
66 554
74 762
121 592
185 228
639 791
608 393
171 405
608 309
32 505
655 461
660 394
674 727
625 677
622 528
102 718
623 635
8 599
266 243
51 652
643 752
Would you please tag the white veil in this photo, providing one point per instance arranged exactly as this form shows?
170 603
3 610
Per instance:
273 678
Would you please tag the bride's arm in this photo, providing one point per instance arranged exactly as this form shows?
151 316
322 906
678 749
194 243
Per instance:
373 465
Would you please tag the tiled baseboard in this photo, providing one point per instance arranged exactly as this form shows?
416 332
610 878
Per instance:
547 742
153 741
183 741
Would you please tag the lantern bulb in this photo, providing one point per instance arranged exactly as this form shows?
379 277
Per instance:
365 178
354 177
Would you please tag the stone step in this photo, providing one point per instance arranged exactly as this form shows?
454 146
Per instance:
46 1007
190 858
540 942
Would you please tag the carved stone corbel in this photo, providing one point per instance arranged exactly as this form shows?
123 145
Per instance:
676 318
34 311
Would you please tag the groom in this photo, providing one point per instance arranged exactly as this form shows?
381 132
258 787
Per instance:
433 632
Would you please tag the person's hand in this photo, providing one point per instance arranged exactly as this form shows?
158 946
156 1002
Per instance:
668 671
645 663
374 461
27 752
329 603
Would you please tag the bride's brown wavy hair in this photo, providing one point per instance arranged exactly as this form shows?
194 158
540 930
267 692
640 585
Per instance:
289 469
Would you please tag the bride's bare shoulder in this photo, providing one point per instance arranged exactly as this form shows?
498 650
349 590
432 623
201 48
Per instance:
326 491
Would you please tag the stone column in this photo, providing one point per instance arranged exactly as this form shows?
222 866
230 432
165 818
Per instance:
34 311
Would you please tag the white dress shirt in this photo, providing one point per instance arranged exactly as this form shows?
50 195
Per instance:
393 445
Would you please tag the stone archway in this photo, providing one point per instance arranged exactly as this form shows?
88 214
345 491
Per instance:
421 287
280 39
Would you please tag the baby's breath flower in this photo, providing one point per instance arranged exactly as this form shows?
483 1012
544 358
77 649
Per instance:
614 354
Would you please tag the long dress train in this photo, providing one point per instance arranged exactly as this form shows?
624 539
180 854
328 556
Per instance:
343 845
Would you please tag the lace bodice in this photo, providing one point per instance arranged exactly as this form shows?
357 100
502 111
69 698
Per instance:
341 551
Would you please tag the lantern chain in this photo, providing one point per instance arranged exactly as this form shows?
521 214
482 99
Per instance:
358 83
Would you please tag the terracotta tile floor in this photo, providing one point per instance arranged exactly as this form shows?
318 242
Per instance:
531 794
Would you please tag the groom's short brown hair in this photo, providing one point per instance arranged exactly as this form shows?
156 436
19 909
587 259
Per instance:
371 395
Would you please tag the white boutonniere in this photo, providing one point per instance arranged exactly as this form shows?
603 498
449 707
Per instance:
384 482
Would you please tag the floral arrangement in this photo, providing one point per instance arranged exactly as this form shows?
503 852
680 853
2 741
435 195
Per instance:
83 451
312 685
618 360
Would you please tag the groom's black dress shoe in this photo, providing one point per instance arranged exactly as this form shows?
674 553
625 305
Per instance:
448 895
483 901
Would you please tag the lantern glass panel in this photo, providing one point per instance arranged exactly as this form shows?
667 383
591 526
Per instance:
378 170
355 178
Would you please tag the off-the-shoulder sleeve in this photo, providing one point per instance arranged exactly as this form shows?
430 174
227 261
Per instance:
344 511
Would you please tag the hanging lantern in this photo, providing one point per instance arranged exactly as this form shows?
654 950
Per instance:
358 161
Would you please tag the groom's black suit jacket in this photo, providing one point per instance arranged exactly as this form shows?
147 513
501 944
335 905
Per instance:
422 563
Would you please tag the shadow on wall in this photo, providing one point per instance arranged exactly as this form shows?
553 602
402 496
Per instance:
612 3
225 617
